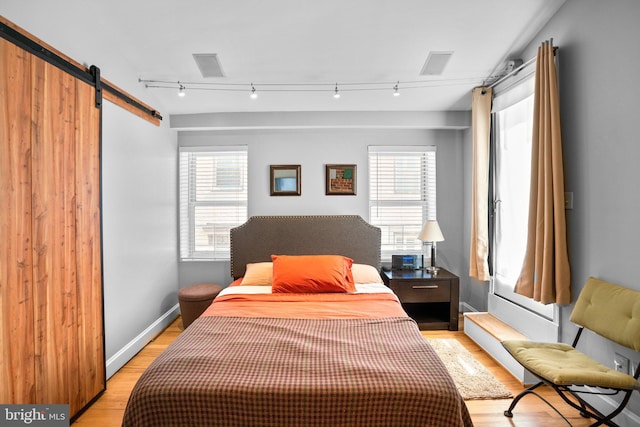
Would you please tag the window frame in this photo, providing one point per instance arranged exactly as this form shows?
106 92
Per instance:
189 202
427 201
508 96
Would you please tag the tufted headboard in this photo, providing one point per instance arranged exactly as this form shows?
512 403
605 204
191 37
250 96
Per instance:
262 236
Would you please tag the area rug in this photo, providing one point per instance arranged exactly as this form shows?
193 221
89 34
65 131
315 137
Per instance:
473 380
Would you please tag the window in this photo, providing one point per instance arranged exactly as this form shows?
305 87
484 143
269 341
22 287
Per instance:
402 195
213 199
513 124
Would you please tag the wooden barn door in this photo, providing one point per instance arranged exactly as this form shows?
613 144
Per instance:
51 336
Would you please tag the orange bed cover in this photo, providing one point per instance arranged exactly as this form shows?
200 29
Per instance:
308 306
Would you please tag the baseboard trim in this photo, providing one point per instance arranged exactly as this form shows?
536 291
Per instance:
467 308
126 353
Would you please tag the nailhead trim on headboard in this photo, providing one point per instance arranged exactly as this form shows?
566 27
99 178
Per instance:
261 236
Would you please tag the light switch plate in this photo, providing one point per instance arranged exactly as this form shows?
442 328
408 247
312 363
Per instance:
568 200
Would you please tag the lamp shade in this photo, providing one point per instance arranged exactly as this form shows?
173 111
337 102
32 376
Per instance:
431 232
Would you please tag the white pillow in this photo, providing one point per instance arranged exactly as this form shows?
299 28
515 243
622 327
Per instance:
364 273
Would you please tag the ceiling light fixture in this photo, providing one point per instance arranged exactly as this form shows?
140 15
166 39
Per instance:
254 95
336 95
181 92
395 89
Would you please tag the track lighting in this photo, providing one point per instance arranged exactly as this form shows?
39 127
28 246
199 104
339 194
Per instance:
309 87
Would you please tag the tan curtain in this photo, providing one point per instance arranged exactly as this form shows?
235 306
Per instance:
481 128
545 275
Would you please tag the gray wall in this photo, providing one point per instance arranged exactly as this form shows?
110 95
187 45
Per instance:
473 296
312 149
139 167
598 65
599 61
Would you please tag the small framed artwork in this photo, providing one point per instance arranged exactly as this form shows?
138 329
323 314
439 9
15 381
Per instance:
285 180
341 180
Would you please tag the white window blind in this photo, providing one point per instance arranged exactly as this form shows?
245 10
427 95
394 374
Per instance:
402 195
213 199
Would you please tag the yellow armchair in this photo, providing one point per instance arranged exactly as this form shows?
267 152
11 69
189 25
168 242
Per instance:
608 310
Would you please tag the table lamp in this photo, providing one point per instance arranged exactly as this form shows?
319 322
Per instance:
431 233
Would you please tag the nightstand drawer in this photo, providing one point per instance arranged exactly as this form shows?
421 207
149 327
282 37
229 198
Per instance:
427 291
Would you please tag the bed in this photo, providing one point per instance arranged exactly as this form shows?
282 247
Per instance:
276 348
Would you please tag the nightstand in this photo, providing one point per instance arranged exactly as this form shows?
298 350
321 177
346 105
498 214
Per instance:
431 300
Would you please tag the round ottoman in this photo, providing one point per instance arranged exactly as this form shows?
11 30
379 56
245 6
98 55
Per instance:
194 299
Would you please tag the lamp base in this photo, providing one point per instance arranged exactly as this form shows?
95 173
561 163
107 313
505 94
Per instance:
433 270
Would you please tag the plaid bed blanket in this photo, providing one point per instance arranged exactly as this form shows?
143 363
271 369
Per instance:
234 371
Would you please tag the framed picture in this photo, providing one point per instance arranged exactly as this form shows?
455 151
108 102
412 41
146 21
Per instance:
285 180
341 180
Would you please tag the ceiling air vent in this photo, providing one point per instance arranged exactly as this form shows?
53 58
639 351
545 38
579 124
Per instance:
435 63
208 64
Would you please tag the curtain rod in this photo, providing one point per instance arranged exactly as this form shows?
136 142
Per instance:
511 73
517 70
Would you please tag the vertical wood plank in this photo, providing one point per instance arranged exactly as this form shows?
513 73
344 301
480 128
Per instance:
17 371
54 234
88 244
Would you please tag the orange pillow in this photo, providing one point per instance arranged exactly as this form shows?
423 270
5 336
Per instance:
312 274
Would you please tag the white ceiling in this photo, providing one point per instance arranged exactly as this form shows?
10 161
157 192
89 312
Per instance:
292 41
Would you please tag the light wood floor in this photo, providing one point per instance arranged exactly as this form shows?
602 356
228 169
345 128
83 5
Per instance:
530 412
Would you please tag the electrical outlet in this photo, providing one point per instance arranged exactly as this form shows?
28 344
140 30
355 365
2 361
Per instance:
621 363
